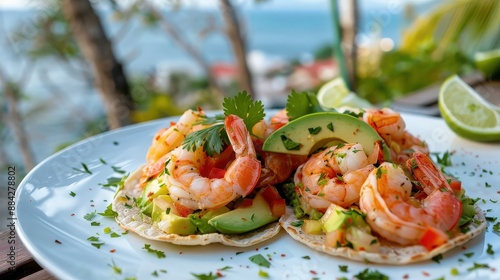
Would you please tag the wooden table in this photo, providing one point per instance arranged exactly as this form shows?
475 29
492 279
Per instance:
25 266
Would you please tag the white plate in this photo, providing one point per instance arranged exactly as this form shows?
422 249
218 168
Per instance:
51 222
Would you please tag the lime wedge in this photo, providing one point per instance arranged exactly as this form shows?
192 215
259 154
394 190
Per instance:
467 113
335 94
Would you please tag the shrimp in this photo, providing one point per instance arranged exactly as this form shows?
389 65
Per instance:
392 211
391 127
334 175
191 189
166 140
279 119
276 167
170 138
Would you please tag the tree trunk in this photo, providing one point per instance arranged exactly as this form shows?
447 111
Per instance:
349 24
16 122
96 47
237 40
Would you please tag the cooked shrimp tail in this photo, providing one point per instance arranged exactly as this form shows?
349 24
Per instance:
245 170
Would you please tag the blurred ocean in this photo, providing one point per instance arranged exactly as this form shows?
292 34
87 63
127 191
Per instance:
58 102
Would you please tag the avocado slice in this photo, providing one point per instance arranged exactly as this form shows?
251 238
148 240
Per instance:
200 219
244 219
308 133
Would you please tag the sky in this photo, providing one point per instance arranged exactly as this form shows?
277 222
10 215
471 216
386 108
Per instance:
271 4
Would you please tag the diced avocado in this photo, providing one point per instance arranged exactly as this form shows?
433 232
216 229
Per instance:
160 205
351 225
245 219
153 189
312 227
172 223
336 218
200 219
306 134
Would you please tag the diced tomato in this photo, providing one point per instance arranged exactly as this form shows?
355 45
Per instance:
246 202
455 184
182 210
216 173
432 238
274 200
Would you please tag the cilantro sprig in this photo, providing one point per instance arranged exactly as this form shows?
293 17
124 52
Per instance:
300 104
213 138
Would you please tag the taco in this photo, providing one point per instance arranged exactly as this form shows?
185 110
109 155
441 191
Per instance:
204 182
386 204
377 231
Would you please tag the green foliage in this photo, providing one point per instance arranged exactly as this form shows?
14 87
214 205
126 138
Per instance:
400 72
300 104
324 52
469 24
151 103
48 37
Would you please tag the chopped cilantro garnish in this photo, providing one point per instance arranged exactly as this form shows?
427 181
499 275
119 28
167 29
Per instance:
314 130
159 254
114 182
114 235
297 223
109 212
93 238
244 107
300 104
496 228
445 160
289 143
85 169
97 245
212 139
115 268
330 127
118 170
260 260
380 172
371 275
89 216
210 276
95 224
72 194
489 250
469 255
437 258
343 268
306 257
478 266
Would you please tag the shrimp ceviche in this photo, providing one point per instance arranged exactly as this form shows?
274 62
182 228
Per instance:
353 183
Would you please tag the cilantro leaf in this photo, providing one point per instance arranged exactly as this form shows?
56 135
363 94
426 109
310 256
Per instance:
201 276
242 106
109 212
159 254
300 104
372 275
260 260
211 139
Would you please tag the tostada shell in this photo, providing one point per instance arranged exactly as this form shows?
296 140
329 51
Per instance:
390 253
130 218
